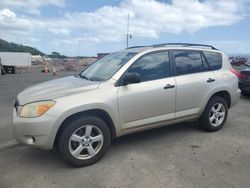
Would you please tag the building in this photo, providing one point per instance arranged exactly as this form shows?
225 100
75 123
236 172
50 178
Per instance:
40 60
17 59
86 61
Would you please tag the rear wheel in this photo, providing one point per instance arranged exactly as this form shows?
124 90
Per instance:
215 114
84 141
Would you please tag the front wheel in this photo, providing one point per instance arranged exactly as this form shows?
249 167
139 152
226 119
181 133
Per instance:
214 115
84 141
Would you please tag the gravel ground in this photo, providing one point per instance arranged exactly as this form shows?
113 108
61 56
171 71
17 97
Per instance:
179 155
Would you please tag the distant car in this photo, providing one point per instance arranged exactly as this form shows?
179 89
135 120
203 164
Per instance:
239 62
244 81
247 63
9 69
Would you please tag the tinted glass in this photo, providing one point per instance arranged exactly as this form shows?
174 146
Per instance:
214 59
188 62
151 67
107 66
204 64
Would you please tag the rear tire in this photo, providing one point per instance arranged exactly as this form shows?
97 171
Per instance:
84 141
214 115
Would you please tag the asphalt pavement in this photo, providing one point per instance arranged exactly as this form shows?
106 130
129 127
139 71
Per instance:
180 155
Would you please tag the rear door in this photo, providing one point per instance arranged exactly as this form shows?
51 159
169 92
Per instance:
194 81
153 99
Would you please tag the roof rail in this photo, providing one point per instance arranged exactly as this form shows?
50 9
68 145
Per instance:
136 47
184 44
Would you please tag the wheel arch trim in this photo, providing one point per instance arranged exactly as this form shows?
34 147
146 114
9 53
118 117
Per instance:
224 93
108 118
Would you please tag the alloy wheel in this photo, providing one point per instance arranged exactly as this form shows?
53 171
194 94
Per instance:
217 114
86 142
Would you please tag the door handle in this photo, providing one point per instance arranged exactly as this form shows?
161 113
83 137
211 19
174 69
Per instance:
169 86
210 80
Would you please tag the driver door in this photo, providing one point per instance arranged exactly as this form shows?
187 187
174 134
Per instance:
152 100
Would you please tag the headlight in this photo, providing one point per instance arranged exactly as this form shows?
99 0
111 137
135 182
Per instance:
36 109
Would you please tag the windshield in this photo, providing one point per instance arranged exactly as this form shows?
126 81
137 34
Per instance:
106 67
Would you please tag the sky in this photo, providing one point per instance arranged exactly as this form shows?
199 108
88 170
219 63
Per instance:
87 27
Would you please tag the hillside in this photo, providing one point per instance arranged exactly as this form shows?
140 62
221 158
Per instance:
12 47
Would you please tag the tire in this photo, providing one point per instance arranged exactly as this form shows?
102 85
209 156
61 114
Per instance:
212 118
91 140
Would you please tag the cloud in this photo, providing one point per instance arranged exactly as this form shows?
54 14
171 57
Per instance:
30 6
184 15
233 46
59 31
7 14
13 23
148 19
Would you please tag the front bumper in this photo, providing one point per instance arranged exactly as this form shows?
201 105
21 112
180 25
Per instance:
34 131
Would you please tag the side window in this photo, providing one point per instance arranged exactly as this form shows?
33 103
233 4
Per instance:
214 59
204 64
188 62
152 66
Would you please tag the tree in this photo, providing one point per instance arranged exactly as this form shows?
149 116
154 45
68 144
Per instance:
13 47
56 55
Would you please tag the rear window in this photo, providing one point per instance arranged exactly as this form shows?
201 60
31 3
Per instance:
214 60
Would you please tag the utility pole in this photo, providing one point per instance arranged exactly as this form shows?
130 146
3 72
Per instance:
77 55
129 36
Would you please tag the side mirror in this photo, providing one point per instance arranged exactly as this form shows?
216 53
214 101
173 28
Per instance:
131 78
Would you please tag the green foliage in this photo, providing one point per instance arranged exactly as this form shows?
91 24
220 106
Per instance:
12 47
57 55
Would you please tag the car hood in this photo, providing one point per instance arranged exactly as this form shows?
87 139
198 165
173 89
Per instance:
56 88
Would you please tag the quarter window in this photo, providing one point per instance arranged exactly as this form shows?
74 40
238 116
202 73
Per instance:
214 60
188 62
152 66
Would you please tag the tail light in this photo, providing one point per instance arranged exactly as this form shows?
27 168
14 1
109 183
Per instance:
240 75
243 76
235 72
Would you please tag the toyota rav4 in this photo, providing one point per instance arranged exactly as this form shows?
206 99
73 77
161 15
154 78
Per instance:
131 90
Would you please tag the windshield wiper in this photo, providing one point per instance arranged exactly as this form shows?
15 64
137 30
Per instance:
86 78
76 75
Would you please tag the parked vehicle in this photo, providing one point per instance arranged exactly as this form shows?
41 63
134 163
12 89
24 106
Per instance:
131 90
247 63
2 72
244 81
239 61
9 69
